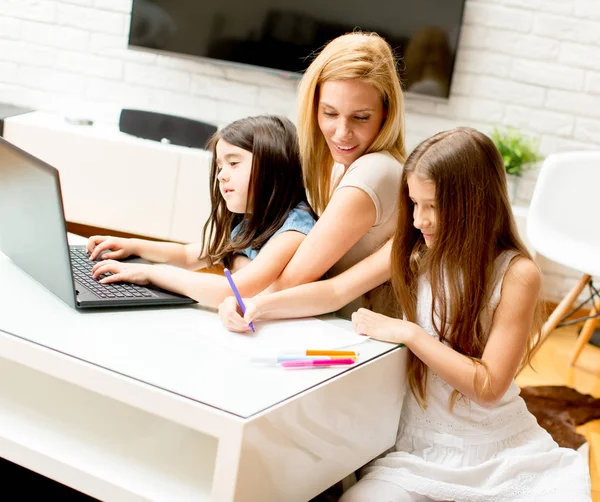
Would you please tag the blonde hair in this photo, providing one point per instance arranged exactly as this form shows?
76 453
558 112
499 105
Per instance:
368 58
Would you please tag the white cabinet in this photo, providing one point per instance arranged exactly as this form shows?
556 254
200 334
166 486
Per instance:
191 205
113 180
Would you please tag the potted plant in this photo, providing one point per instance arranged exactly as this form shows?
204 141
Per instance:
519 152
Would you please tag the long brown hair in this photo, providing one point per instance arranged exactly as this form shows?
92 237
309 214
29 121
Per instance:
474 224
275 187
363 56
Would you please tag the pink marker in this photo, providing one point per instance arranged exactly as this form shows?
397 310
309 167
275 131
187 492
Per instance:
306 363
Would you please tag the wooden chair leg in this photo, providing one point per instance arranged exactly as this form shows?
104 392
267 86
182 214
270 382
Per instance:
586 332
561 310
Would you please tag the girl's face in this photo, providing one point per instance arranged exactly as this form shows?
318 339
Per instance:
235 166
350 116
422 194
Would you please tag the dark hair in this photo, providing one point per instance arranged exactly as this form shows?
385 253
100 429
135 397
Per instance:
474 225
276 187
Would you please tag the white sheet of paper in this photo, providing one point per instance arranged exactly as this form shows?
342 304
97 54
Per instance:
272 337
197 328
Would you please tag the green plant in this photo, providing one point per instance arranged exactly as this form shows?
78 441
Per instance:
518 151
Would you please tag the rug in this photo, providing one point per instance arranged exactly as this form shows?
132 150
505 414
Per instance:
559 410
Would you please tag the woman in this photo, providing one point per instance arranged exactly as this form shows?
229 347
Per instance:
351 133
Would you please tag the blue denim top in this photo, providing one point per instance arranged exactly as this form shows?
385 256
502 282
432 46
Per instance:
299 220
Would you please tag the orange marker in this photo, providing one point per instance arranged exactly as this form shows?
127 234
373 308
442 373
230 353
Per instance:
331 353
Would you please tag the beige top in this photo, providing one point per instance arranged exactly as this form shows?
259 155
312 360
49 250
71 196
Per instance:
378 175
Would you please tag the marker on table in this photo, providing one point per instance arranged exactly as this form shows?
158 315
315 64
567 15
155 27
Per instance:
331 353
317 363
273 360
238 297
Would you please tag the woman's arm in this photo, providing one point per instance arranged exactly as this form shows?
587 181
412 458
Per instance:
503 352
314 298
348 216
209 289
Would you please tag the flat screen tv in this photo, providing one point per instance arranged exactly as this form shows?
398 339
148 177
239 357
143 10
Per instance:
281 35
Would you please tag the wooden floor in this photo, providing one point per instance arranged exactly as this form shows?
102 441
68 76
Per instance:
551 367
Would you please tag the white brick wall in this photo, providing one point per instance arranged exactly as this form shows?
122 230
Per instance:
534 64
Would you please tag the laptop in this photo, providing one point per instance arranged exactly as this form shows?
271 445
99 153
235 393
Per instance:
33 234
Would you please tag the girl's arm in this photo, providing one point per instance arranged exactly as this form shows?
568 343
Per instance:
503 352
210 289
117 248
313 298
348 216
239 262
179 255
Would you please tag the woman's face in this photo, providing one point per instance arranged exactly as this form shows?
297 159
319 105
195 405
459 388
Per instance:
350 116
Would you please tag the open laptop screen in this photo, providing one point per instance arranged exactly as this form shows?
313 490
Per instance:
32 223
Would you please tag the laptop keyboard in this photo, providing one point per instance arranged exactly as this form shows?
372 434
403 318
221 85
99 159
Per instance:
82 271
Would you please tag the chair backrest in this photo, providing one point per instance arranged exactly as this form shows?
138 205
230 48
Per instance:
563 223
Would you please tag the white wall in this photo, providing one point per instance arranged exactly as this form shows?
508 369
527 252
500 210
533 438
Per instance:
534 64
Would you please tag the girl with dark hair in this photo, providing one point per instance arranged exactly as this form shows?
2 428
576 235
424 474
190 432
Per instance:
259 217
469 293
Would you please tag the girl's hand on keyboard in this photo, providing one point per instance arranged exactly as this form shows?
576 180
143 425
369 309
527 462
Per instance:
121 272
115 248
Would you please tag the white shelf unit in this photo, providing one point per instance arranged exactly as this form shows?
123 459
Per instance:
117 181
105 448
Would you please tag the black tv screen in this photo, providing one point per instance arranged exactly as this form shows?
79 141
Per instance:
282 34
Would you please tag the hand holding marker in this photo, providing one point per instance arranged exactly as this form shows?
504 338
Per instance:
238 297
310 358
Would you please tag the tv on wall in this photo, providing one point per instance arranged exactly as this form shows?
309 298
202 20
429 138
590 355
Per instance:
282 35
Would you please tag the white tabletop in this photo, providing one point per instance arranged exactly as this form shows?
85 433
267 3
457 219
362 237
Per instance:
183 350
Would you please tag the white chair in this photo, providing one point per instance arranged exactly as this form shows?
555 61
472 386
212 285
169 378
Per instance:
562 225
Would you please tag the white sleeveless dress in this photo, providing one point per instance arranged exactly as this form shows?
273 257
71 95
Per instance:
475 453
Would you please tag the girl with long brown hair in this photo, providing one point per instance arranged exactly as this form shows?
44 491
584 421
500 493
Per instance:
259 216
469 293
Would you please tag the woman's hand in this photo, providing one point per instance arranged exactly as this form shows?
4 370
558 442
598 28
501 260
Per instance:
120 248
384 328
231 315
122 272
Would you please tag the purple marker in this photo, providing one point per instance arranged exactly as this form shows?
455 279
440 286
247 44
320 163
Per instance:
238 297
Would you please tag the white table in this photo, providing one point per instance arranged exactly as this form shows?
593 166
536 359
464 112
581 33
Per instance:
149 405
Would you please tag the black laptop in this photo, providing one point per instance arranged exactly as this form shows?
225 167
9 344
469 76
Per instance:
33 235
